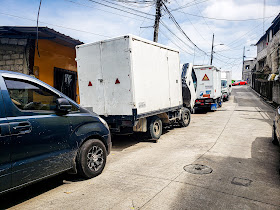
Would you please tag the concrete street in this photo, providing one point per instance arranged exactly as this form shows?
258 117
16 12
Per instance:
234 141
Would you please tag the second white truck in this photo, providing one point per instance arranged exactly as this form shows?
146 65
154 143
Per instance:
133 83
226 84
208 92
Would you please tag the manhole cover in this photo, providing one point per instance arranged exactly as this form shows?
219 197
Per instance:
198 169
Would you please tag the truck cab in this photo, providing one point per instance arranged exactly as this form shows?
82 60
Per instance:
226 84
225 90
189 85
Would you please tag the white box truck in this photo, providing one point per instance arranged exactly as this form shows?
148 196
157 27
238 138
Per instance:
133 83
226 84
209 93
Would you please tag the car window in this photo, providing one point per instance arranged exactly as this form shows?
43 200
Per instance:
30 96
224 83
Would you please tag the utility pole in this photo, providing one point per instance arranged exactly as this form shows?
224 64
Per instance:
243 61
158 15
212 50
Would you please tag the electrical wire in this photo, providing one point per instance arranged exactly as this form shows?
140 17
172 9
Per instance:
172 18
174 42
59 26
84 5
127 8
223 19
188 5
112 7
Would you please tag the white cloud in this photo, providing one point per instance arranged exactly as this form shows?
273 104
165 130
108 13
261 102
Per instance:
90 18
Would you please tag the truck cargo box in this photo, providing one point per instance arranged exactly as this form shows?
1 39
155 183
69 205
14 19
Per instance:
208 81
208 86
128 76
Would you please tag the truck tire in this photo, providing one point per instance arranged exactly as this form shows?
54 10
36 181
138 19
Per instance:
155 128
91 158
220 102
185 118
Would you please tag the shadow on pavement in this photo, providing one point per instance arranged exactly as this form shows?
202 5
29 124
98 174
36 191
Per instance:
16 197
235 183
121 142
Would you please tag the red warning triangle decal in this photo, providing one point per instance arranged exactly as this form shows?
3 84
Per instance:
205 78
117 81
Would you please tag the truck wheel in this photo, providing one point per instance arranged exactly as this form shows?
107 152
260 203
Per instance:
155 128
186 118
91 158
220 103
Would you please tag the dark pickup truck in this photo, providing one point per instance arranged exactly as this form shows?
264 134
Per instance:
44 133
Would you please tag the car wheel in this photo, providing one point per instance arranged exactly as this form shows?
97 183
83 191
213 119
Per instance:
155 128
91 158
274 137
185 118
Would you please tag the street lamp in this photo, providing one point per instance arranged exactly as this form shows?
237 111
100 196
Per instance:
212 51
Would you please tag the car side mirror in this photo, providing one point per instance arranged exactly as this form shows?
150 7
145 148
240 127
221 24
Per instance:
63 105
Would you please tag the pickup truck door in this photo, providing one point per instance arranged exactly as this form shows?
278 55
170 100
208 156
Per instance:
39 136
5 149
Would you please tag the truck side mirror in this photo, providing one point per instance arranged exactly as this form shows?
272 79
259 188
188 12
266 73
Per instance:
63 105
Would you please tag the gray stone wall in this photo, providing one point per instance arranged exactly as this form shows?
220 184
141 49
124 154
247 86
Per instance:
273 53
276 92
14 55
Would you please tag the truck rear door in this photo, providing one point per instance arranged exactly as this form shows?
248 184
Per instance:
90 77
5 147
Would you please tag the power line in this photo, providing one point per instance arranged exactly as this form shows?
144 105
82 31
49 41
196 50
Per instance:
192 24
84 5
173 42
124 7
188 5
175 35
120 9
222 19
15 16
179 27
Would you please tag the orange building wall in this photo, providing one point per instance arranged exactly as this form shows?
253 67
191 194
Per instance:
54 55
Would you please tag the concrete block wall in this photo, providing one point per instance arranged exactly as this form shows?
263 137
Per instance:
13 56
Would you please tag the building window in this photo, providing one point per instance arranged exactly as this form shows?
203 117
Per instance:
65 81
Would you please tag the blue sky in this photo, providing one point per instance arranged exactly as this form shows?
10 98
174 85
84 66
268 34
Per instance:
88 21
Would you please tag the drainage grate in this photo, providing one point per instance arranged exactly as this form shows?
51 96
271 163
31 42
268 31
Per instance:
241 181
198 169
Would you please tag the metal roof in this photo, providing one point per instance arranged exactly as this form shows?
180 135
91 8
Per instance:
19 32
